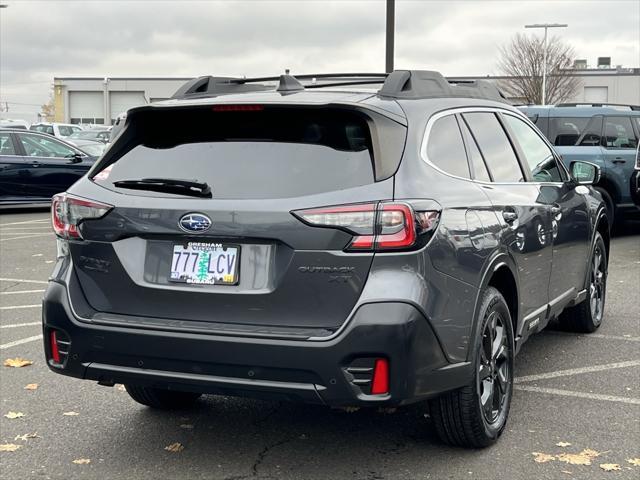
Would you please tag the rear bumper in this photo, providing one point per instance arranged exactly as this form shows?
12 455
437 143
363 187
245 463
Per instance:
309 371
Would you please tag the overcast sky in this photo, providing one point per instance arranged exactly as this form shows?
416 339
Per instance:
43 39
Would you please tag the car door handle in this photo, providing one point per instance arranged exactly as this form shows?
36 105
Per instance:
509 216
619 160
35 163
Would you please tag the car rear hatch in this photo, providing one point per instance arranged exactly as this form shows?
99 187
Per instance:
231 256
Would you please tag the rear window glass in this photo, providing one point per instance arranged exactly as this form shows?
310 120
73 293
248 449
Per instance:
578 131
43 129
269 153
446 149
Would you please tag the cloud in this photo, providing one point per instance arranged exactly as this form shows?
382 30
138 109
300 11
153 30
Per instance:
43 39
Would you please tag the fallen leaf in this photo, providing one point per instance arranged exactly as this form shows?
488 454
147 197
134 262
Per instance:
120 388
610 467
186 426
589 453
17 362
81 461
31 386
174 447
542 457
582 458
563 444
9 447
634 461
12 415
27 435
70 414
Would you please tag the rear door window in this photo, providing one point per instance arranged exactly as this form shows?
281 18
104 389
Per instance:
445 148
495 146
618 133
268 152
6 144
575 131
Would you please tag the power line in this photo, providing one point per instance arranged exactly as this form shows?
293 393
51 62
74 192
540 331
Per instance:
24 104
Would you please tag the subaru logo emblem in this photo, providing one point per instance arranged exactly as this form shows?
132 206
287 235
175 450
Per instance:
194 223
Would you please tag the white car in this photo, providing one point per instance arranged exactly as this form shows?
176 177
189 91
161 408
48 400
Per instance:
15 124
60 130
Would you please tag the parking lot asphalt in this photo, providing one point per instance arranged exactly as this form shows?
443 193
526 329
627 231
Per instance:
582 390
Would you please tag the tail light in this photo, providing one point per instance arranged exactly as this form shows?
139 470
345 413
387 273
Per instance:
379 227
67 212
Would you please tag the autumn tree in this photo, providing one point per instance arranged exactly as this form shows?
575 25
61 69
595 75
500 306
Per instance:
522 61
48 110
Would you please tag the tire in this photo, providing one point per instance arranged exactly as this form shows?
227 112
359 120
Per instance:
162 399
460 417
610 206
587 316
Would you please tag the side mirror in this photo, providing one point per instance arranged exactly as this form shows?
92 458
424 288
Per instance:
76 158
585 173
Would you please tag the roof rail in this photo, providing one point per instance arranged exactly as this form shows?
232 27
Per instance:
429 84
589 104
398 84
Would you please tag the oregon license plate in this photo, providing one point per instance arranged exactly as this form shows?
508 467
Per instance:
205 263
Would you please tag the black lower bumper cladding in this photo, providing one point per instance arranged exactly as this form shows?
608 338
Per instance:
267 368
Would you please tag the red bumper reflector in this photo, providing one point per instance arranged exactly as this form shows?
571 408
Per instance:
380 384
55 353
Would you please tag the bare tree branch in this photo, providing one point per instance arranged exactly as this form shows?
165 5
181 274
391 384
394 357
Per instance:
522 61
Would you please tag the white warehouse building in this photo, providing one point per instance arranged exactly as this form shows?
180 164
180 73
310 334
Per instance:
97 100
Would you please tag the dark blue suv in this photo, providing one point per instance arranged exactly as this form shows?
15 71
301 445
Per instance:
604 134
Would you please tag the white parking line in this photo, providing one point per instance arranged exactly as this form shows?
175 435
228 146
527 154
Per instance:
577 371
23 280
569 393
24 229
16 325
18 292
596 335
27 236
18 307
26 221
20 342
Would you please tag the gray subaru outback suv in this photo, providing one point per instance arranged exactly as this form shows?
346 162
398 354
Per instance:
349 240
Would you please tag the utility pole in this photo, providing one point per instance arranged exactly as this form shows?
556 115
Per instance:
546 26
391 5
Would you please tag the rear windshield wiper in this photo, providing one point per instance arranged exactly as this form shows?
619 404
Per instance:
176 186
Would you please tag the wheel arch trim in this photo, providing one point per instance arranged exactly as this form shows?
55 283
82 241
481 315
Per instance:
499 260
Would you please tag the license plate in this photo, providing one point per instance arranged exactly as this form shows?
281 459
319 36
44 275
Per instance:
205 263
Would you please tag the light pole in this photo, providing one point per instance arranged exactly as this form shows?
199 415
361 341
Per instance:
390 35
546 26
